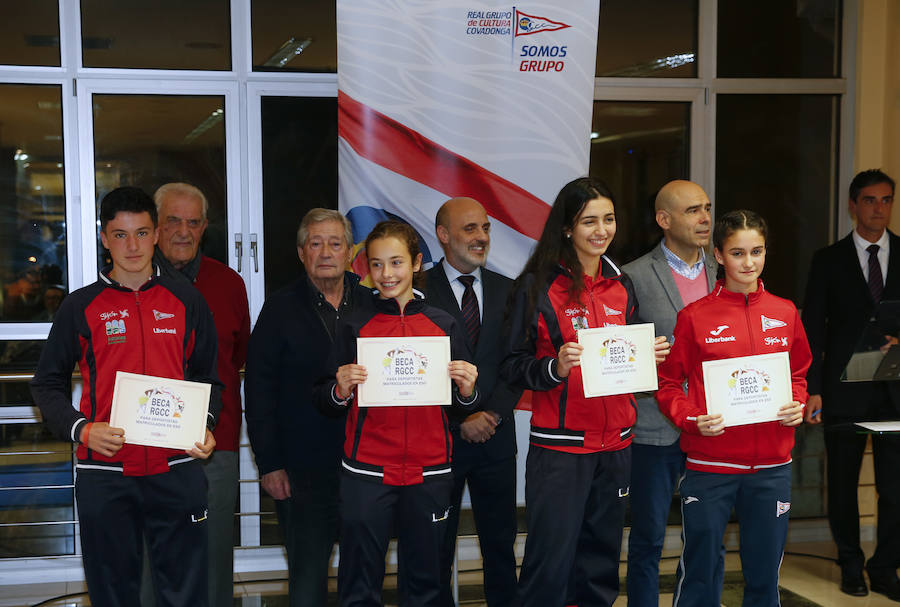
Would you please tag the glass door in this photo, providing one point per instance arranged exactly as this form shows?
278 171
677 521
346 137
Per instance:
134 135
292 131
639 142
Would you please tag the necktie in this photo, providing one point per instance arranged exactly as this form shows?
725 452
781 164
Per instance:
469 307
876 281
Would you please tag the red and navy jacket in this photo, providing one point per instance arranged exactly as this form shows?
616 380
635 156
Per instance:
395 445
562 418
725 324
163 329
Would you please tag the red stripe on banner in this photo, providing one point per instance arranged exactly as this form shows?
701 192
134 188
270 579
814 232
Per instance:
402 150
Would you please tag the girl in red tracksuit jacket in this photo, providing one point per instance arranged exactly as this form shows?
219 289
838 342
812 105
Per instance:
745 467
579 461
396 466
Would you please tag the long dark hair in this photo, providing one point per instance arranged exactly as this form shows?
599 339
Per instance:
554 247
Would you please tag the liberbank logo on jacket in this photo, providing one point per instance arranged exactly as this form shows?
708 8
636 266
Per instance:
718 338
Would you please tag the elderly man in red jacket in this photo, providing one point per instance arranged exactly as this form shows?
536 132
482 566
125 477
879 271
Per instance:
182 210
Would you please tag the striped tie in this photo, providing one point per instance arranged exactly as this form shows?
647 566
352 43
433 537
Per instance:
470 312
876 281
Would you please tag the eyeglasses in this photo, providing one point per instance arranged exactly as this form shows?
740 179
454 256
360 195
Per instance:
191 223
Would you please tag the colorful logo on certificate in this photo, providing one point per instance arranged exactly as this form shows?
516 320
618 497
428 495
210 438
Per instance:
404 366
748 382
160 406
617 351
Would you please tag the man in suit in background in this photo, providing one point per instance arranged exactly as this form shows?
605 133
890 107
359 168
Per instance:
672 275
846 282
484 443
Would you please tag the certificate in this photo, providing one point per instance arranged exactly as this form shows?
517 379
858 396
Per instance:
748 389
404 371
160 412
618 360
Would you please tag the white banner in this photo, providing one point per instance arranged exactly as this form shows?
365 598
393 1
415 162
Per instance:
442 99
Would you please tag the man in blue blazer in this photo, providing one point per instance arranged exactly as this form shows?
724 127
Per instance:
673 274
484 442
846 282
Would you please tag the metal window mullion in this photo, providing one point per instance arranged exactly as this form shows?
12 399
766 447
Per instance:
780 86
841 222
698 130
241 38
86 219
707 39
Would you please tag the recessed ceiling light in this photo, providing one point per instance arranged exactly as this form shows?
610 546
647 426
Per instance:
290 49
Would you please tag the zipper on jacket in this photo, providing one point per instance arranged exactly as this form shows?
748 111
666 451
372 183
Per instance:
137 301
405 442
594 311
749 323
403 331
753 350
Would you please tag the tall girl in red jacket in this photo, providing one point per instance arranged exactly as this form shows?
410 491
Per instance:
396 466
579 460
745 467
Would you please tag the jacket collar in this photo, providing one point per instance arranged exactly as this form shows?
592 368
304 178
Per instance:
390 306
744 299
105 278
607 270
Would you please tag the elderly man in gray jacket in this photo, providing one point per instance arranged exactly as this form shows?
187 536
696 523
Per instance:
673 274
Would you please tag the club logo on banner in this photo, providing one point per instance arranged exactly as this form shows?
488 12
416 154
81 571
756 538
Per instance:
530 57
488 101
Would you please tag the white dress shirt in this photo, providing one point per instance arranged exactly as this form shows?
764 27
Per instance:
459 288
862 244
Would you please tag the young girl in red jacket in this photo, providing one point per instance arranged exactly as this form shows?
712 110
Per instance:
579 459
745 467
396 468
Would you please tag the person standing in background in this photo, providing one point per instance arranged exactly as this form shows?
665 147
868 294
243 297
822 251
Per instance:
846 282
183 210
672 275
484 441
297 449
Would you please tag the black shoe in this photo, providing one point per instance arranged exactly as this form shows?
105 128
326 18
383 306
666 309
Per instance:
853 582
886 583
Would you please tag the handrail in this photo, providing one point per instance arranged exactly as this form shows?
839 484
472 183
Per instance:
26 376
18 377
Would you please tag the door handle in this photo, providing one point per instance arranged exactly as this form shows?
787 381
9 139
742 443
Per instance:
238 249
254 254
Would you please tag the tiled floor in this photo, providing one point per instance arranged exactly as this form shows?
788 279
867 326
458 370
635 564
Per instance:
806 571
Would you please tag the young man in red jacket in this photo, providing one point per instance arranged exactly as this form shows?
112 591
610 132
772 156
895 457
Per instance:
132 319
